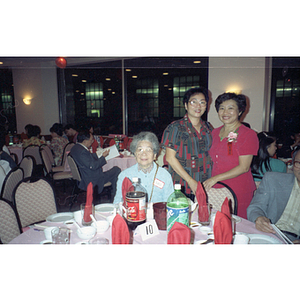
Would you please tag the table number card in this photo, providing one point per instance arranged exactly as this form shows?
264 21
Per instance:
148 230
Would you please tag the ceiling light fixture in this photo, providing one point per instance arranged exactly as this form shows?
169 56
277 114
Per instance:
197 61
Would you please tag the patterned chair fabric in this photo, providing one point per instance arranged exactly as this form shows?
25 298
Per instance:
67 149
216 197
49 170
10 182
49 152
74 169
35 152
10 226
34 201
27 165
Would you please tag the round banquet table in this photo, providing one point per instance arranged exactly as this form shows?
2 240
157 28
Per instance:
121 162
36 236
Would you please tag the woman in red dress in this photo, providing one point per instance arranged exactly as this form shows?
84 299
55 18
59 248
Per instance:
232 150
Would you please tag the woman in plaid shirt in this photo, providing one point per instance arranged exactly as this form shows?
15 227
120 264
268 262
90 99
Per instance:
187 142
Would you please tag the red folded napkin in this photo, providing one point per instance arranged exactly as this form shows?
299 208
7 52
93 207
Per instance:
128 144
101 141
203 214
125 185
88 210
225 209
119 231
222 229
112 142
179 234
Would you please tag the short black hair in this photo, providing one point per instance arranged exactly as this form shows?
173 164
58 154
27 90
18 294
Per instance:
194 91
239 99
57 128
83 134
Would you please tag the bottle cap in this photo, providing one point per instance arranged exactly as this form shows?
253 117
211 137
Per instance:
177 186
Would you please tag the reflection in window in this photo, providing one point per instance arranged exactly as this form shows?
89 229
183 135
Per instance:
147 94
94 99
180 86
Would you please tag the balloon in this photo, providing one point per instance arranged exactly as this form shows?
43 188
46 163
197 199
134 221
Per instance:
61 62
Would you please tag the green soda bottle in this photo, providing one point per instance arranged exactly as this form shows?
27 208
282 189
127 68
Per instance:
177 208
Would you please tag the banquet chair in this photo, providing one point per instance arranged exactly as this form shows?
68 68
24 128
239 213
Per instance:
14 157
10 225
66 151
216 197
35 152
27 165
50 173
77 178
11 180
34 200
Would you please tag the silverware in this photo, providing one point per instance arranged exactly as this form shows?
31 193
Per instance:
207 242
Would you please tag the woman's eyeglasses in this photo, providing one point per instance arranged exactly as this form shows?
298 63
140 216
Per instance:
140 151
196 102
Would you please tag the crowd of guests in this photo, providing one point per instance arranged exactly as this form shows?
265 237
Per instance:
196 152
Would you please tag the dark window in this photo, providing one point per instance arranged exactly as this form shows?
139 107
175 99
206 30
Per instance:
7 102
285 97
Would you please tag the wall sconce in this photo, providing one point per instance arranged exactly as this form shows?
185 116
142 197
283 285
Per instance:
27 101
235 90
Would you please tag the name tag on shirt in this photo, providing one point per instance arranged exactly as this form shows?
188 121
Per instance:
159 183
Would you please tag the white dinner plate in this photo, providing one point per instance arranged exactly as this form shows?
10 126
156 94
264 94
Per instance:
236 219
105 207
262 239
60 217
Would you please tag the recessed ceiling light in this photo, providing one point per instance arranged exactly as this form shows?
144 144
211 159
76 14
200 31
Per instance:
74 75
128 70
134 76
1 62
166 73
165 85
83 80
107 79
197 61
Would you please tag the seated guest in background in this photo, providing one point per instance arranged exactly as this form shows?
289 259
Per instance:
95 144
6 161
33 134
71 133
58 142
156 180
291 145
277 201
90 166
3 140
263 161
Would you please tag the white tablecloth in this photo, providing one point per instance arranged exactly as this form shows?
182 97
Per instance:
121 162
32 236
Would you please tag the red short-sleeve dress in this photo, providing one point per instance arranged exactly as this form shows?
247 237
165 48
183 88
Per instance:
224 159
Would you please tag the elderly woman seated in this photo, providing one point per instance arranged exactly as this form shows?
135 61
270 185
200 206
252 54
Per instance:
156 180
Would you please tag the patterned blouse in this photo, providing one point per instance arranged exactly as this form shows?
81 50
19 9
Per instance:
57 145
33 141
191 149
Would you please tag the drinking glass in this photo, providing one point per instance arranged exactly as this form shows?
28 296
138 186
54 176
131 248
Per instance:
61 235
86 219
160 215
202 212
